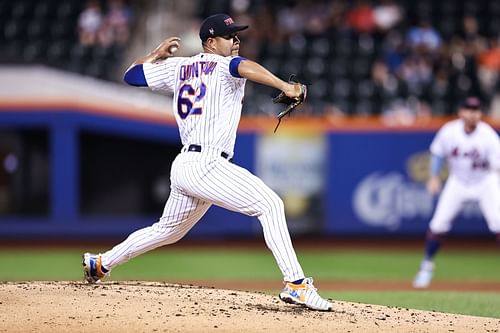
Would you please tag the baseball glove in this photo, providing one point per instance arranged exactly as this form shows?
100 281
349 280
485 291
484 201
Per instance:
291 103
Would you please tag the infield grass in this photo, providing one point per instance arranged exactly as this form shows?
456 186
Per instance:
174 265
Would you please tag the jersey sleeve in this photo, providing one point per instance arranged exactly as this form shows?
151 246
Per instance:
161 75
494 152
438 145
228 69
229 66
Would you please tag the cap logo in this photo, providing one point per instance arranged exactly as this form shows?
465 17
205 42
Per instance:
228 21
211 30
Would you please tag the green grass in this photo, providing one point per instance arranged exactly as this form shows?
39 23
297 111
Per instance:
470 303
253 264
233 264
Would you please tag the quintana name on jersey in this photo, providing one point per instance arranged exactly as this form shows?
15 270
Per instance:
196 69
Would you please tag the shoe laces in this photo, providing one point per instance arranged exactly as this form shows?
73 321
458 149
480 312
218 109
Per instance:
309 284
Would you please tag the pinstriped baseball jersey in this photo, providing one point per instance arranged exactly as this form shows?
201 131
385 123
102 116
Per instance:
207 106
207 99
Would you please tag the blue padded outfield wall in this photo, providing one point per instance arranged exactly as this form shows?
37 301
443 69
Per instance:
376 185
337 183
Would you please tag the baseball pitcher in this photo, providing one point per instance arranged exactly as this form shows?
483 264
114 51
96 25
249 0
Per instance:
208 91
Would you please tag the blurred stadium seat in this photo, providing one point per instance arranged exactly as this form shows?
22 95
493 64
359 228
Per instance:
343 57
45 32
330 52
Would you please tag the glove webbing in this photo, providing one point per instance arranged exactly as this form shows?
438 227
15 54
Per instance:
291 106
288 111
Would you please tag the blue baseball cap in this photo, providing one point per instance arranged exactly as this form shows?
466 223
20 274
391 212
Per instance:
471 102
219 25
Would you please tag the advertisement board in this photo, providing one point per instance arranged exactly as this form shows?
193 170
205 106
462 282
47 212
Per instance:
294 165
376 186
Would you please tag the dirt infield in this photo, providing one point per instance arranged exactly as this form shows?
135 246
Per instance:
159 307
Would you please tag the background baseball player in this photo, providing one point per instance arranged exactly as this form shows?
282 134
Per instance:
472 150
208 93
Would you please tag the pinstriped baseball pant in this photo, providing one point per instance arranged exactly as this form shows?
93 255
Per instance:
198 180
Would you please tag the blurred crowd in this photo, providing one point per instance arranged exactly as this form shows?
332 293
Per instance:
397 58
104 27
422 61
84 37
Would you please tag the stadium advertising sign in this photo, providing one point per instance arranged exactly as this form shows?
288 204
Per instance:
376 185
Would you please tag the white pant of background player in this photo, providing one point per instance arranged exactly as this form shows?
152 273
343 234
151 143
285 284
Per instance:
455 193
198 180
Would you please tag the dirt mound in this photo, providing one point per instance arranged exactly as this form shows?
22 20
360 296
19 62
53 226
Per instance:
159 307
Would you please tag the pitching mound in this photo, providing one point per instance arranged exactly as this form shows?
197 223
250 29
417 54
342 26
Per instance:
159 307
